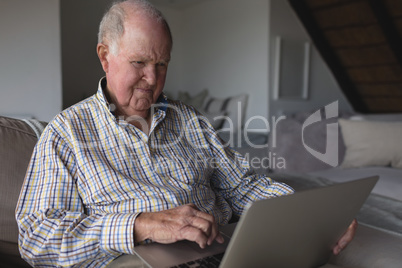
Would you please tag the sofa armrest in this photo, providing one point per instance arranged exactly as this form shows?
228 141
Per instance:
17 140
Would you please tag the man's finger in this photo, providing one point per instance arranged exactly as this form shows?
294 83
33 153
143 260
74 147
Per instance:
213 233
346 238
194 234
202 224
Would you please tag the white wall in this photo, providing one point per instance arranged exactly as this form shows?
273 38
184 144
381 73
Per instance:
223 47
81 67
30 71
323 88
226 46
176 71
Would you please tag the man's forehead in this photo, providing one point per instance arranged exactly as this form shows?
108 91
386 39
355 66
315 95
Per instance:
146 34
139 46
148 55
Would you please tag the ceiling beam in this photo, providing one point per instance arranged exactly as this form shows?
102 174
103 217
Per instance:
388 28
327 53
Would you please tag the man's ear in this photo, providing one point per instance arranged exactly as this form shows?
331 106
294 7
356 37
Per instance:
103 52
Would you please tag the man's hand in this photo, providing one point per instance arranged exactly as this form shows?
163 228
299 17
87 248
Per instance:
181 223
346 238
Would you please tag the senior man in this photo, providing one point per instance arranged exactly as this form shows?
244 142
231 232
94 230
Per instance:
128 166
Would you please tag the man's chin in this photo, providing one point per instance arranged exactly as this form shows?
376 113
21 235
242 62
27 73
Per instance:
141 109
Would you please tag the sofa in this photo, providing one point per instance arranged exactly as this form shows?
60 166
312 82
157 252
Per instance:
17 140
371 248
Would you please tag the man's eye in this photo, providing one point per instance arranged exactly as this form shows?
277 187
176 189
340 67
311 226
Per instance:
138 63
161 65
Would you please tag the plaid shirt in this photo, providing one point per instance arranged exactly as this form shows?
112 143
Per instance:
91 174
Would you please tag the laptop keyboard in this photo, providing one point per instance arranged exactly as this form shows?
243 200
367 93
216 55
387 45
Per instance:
207 262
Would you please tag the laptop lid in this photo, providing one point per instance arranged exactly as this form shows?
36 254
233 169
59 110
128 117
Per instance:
297 230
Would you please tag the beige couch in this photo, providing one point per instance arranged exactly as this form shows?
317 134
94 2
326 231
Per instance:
371 248
17 140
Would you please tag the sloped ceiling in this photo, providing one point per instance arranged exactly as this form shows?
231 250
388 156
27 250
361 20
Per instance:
361 41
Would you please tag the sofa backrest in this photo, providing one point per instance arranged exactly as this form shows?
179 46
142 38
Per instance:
17 140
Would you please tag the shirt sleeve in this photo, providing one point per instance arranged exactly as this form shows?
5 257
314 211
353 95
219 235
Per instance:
234 179
54 227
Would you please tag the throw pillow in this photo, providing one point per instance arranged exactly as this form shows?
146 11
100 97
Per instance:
196 101
393 117
216 119
371 143
234 107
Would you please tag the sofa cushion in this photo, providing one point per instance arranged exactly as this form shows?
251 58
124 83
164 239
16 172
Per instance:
372 143
290 138
17 141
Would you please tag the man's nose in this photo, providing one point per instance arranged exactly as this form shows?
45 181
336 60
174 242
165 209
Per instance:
150 73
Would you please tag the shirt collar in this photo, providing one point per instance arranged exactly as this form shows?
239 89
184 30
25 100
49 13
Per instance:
162 102
101 96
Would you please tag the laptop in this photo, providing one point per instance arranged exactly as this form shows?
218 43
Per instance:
296 230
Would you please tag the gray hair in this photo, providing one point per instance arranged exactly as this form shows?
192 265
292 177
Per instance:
111 28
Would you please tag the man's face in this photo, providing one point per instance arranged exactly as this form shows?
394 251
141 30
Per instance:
136 75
